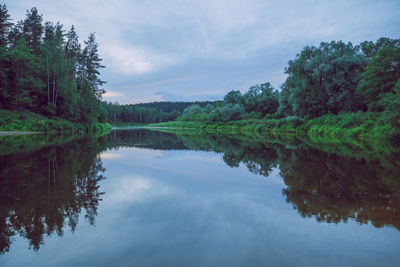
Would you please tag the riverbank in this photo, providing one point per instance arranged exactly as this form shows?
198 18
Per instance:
24 122
361 127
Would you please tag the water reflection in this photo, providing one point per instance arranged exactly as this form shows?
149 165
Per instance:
43 191
332 188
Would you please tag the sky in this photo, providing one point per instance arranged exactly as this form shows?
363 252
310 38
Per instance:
179 50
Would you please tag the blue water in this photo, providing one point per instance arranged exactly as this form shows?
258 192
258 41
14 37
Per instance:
189 208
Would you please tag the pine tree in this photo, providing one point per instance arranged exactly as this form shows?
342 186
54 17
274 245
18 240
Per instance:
25 72
15 34
72 46
89 66
5 25
33 29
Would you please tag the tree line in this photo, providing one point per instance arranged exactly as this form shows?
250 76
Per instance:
332 78
148 112
45 70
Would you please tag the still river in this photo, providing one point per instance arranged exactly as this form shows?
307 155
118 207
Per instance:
142 197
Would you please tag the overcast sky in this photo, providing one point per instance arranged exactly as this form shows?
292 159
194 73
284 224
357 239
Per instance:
199 50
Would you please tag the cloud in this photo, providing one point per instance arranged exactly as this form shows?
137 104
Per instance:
110 156
134 189
112 94
143 42
133 60
199 96
149 84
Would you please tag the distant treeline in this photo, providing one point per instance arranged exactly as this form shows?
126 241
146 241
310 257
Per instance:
44 69
149 112
168 106
333 78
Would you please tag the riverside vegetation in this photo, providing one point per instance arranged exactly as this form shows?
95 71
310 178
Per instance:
333 92
338 90
48 83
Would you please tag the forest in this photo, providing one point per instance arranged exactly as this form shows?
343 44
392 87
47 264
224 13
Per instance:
47 76
49 81
148 112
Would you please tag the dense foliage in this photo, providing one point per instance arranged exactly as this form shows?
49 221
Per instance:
257 102
43 69
337 77
355 90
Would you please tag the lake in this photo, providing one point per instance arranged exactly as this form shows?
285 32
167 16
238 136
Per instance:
144 197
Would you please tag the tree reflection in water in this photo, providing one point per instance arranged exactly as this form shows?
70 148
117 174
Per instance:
335 189
42 191
332 187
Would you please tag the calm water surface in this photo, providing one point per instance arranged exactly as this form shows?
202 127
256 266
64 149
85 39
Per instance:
146 198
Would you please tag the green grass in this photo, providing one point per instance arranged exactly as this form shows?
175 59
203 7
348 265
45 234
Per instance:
28 121
359 129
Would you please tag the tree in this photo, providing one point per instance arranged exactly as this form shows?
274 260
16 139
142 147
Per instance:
33 29
261 98
285 108
72 46
89 67
25 76
5 25
227 112
391 104
15 34
233 97
192 113
370 48
40 71
61 88
324 79
5 65
380 77
51 51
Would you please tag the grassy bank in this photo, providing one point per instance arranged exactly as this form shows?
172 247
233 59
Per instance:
28 121
366 127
